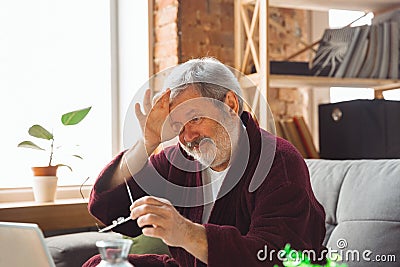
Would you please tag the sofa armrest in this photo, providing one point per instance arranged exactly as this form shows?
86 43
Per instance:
75 249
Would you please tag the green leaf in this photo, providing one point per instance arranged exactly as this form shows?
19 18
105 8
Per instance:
63 165
29 144
40 132
77 156
74 117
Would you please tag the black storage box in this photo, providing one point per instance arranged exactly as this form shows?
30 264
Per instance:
360 129
289 68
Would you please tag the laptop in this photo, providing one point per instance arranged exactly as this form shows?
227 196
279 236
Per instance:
22 244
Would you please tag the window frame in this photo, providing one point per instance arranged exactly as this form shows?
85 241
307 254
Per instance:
25 194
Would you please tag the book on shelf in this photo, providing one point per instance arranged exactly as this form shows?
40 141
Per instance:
378 53
369 61
282 131
359 53
393 17
333 50
296 131
293 136
278 129
394 62
384 62
306 137
352 39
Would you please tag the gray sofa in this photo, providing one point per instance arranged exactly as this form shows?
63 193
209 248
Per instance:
72 250
362 204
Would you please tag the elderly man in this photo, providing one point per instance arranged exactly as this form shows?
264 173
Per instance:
225 191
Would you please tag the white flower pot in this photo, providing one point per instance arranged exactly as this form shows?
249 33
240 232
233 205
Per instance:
44 188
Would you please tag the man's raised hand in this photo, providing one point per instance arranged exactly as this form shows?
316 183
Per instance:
153 121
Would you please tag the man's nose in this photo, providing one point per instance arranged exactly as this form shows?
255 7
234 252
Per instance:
189 133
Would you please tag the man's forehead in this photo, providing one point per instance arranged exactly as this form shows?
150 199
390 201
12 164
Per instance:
185 95
190 103
190 106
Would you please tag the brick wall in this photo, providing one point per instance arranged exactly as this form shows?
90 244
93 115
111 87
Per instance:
188 29
287 32
165 34
288 29
206 29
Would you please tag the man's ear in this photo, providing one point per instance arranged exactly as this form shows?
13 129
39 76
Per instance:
232 101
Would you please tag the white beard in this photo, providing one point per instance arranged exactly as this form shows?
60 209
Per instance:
213 153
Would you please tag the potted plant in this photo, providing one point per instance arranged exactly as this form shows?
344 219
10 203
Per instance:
45 177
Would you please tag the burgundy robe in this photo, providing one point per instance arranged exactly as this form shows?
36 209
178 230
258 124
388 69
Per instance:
282 210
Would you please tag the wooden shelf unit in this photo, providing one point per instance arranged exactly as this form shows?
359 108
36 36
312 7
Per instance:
244 30
277 80
50 216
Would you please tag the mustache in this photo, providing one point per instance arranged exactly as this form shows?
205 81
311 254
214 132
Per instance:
196 142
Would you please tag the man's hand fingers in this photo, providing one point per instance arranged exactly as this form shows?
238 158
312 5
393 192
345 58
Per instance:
158 232
165 221
147 101
149 209
156 98
162 101
150 220
157 201
139 115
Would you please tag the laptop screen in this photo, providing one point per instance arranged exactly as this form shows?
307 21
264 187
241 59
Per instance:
22 244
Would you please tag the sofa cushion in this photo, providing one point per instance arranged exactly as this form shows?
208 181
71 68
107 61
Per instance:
356 241
361 200
326 179
74 249
371 191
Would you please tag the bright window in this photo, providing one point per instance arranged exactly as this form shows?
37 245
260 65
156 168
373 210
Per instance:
392 94
54 58
341 18
339 94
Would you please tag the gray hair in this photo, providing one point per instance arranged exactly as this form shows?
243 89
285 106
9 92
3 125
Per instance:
209 77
